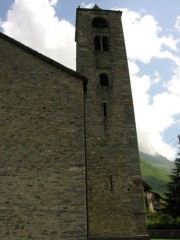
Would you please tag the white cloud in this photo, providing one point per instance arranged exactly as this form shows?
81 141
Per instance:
173 86
177 24
146 33
153 118
90 5
157 78
155 113
35 24
53 2
169 42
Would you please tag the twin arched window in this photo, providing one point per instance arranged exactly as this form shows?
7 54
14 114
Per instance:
101 43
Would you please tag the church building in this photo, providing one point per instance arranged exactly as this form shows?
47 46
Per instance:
69 162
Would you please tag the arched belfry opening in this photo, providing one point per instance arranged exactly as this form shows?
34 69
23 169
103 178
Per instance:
99 22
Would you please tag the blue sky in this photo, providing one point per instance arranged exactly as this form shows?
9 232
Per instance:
152 35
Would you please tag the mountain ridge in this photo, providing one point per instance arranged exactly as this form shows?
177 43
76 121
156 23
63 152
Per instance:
155 171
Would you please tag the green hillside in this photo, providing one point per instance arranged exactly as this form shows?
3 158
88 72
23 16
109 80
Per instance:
155 171
158 161
154 177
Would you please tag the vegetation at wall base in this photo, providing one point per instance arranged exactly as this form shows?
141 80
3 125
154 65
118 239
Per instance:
161 221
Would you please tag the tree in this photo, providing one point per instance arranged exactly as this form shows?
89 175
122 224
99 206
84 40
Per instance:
172 197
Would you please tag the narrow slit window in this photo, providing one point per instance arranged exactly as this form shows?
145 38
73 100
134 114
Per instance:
111 183
97 43
105 44
104 80
104 109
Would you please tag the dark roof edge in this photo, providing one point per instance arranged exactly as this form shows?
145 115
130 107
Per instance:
43 57
98 10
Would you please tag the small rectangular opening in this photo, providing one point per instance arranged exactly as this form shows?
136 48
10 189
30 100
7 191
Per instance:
111 183
105 109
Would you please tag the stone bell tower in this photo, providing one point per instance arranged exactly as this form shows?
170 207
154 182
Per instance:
115 205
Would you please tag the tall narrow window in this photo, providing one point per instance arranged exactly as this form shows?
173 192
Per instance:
104 109
105 44
97 43
104 81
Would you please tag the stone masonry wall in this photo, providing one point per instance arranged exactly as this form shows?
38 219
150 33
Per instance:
42 180
115 194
